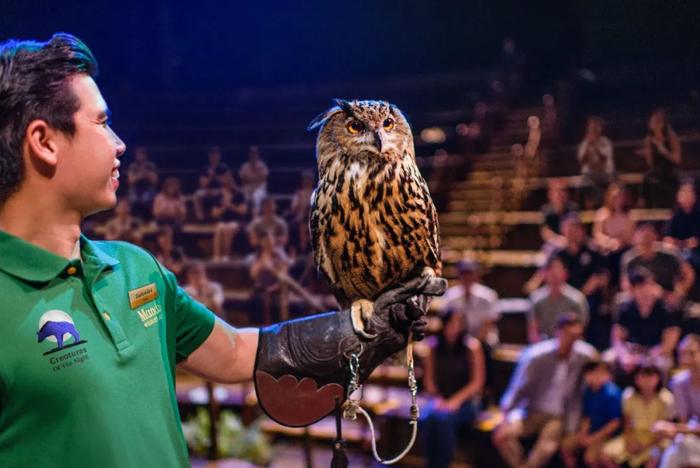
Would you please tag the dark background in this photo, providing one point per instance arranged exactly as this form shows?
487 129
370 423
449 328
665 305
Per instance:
182 45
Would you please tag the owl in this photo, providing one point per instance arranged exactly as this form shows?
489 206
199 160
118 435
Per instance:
373 223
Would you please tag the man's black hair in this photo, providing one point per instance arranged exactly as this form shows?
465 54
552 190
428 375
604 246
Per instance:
34 85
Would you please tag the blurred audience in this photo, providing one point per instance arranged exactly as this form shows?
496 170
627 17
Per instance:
123 226
543 399
643 405
595 155
216 170
169 207
204 199
171 256
554 300
613 228
201 288
683 230
454 375
644 330
299 214
142 176
229 213
588 274
478 304
268 268
662 153
268 224
668 268
685 432
557 206
254 174
601 418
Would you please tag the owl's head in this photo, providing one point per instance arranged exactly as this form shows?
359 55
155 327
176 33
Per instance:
363 129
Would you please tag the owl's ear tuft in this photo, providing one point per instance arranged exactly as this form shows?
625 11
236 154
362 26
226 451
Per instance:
345 106
320 120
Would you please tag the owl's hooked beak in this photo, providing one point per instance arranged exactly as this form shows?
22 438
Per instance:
378 140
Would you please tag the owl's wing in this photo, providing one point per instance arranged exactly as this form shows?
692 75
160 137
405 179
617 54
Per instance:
321 230
434 254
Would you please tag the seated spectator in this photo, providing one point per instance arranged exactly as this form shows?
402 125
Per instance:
554 299
601 417
683 230
613 228
454 374
643 405
142 177
595 155
268 224
685 433
204 199
123 226
169 206
300 212
543 398
644 330
477 303
229 214
553 211
216 171
668 268
168 254
254 173
588 274
662 152
268 268
202 289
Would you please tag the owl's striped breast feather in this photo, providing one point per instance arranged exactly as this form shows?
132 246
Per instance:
372 226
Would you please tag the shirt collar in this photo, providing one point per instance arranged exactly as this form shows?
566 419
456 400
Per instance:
30 262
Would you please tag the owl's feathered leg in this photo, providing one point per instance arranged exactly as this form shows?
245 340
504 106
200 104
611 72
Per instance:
361 312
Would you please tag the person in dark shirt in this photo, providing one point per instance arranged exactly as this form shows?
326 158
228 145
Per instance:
588 274
683 230
229 213
669 270
216 171
454 376
557 206
645 329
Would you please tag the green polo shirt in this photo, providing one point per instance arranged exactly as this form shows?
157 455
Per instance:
88 350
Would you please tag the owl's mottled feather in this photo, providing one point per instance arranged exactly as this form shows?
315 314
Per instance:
373 222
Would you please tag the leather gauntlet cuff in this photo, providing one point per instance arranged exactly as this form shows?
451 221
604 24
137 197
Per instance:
301 367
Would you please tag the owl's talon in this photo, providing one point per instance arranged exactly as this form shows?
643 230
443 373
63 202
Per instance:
360 314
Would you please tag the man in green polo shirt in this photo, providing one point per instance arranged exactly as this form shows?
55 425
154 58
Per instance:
92 331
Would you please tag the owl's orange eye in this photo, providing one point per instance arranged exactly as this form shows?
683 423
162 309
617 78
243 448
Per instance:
389 124
355 127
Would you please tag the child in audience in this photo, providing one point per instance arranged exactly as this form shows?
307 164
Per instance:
643 405
601 418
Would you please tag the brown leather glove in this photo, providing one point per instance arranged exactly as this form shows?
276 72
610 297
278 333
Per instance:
301 367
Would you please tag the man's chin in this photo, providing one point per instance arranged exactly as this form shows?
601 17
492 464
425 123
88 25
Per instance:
109 203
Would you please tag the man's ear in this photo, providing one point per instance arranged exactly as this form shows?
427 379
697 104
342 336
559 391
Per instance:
41 141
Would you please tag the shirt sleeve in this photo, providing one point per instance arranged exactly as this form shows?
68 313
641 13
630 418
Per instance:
614 406
679 402
190 321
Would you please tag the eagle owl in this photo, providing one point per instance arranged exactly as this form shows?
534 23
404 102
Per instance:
373 222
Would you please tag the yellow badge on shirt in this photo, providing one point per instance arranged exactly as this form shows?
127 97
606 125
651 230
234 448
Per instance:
142 295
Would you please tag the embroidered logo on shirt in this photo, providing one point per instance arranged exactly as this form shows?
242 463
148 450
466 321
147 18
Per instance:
150 315
58 327
142 295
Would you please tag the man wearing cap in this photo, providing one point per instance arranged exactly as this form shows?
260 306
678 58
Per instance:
543 398
92 331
